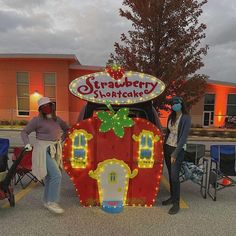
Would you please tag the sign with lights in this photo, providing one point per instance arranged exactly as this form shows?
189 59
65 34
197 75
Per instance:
113 171
113 159
132 87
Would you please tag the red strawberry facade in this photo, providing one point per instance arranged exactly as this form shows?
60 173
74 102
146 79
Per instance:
112 159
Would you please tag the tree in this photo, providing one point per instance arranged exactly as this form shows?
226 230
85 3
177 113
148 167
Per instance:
165 42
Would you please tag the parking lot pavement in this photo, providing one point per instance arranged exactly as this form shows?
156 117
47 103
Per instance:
202 217
199 217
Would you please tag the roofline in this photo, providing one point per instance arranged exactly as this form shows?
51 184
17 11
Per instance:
221 82
39 56
86 67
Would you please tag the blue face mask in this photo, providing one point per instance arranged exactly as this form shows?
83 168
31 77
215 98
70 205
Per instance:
177 107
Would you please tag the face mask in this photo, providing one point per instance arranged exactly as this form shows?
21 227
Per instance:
177 107
47 109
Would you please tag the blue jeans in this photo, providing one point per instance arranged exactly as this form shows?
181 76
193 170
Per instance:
52 180
173 171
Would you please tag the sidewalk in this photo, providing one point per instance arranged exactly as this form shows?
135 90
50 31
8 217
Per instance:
204 217
201 217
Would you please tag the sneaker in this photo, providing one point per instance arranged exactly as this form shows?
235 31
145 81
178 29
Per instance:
174 209
54 207
167 202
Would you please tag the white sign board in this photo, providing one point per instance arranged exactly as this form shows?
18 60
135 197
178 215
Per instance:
100 87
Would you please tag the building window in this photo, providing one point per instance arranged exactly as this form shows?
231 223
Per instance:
231 105
50 86
209 107
23 98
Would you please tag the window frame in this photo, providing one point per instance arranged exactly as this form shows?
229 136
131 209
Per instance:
17 96
53 99
231 104
212 111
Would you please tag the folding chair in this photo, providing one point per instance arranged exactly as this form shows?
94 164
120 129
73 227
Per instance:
195 166
4 145
6 190
222 168
24 169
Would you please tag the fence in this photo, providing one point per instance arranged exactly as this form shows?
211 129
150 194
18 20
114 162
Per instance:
10 117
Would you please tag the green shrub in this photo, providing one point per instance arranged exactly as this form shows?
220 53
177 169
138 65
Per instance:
203 133
23 122
5 122
198 126
15 122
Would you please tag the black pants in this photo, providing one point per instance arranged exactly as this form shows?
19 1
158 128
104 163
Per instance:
173 171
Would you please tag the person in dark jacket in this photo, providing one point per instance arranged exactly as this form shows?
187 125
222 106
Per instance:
178 126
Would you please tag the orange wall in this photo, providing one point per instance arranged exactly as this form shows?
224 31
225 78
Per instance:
221 95
35 68
69 106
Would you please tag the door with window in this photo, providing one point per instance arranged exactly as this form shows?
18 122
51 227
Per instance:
209 108
206 118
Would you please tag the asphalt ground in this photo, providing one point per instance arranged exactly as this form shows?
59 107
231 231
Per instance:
197 216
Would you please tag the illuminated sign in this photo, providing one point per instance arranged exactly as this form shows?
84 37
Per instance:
134 87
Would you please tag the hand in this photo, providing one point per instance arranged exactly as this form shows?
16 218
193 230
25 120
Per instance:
172 160
28 147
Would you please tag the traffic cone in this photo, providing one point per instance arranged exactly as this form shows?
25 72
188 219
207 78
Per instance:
226 182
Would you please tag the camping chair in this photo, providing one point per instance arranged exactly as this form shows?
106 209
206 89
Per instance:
6 190
24 169
4 145
195 166
222 168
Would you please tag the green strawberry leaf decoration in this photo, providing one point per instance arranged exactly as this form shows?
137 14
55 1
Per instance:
115 120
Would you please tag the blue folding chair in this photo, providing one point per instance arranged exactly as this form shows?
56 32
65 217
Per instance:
222 168
6 190
4 146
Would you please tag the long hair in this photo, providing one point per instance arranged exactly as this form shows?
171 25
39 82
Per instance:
172 116
44 116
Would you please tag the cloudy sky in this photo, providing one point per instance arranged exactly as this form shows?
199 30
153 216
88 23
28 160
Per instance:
89 28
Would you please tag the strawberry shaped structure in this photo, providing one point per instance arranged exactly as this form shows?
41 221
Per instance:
115 71
111 170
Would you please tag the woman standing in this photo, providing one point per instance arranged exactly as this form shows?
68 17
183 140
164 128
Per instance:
47 153
178 126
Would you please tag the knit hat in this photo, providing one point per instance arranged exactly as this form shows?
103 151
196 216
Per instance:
43 101
177 100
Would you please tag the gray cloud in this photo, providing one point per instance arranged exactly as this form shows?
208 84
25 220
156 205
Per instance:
89 28
11 20
22 4
220 17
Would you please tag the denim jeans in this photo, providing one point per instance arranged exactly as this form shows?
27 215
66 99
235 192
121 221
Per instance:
52 180
173 171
